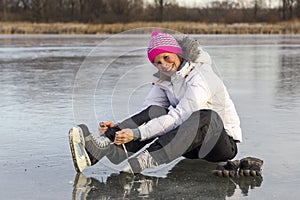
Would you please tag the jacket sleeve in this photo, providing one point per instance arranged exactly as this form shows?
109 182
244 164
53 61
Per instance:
156 96
195 97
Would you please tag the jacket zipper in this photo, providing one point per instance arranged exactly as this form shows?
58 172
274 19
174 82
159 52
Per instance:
173 90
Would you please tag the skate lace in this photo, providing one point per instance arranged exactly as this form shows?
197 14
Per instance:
101 142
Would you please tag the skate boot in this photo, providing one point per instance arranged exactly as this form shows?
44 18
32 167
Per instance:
228 169
86 149
250 166
142 161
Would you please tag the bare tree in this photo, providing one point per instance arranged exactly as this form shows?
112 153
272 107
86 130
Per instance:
291 6
298 8
38 7
120 10
255 9
4 10
160 4
287 8
136 10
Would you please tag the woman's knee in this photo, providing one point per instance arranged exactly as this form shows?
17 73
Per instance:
225 149
209 116
155 111
206 117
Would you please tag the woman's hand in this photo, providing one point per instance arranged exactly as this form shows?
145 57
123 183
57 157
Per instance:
104 126
123 136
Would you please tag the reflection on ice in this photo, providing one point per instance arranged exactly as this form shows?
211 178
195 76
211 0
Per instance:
189 179
288 86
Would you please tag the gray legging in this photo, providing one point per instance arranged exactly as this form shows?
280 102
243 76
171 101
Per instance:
201 136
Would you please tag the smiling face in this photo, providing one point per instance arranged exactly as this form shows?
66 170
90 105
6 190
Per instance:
167 63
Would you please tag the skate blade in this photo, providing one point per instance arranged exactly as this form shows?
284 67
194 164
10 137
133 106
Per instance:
80 157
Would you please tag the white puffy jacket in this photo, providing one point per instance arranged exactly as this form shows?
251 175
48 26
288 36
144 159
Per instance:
195 86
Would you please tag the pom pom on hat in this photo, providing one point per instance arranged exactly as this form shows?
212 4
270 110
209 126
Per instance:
161 43
156 32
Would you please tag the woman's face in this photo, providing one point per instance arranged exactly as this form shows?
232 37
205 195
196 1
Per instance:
167 63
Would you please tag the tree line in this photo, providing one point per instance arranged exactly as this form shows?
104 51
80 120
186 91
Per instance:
123 11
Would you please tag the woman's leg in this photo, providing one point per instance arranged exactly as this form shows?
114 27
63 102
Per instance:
225 149
202 135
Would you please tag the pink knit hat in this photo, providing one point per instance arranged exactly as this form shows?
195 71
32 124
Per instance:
161 43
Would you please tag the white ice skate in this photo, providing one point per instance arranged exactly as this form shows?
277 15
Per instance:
77 144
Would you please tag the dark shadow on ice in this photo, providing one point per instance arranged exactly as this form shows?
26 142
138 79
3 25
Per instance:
189 179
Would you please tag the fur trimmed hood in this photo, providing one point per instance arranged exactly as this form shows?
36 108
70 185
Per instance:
192 50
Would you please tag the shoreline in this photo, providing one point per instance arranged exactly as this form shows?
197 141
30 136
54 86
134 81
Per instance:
292 27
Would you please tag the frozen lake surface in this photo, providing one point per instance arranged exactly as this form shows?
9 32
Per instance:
49 83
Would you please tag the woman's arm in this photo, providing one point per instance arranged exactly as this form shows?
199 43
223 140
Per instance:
196 97
156 96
